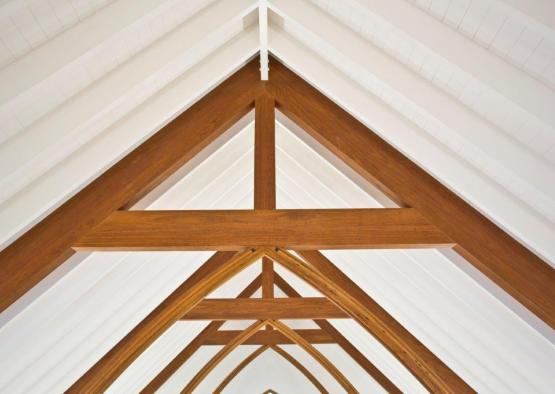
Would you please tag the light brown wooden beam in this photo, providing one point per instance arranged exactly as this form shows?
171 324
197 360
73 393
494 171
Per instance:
344 343
319 386
264 153
222 353
265 309
319 357
273 337
267 278
39 251
332 283
246 361
216 271
288 228
209 332
500 257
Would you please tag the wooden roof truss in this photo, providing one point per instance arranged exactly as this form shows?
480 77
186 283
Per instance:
429 215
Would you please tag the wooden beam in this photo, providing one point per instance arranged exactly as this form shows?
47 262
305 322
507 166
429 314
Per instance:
249 359
301 368
322 360
39 251
265 309
223 353
347 346
503 259
216 271
238 229
264 153
267 278
273 337
195 344
332 283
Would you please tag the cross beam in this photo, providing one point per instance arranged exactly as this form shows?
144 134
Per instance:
298 229
270 337
265 309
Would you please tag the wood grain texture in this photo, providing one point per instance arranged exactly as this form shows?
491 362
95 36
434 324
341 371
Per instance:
265 309
504 260
344 343
319 357
332 283
319 386
222 353
237 229
221 267
273 337
264 153
40 250
195 344
246 361
267 278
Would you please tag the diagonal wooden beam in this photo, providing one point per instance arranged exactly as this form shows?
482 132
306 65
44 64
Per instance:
220 268
223 353
265 309
314 336
347 346
324 362
38 252
249 359
238 229
319 386
195 344
500 257
331 282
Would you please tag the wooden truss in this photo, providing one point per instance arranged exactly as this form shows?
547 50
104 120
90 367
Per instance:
429 215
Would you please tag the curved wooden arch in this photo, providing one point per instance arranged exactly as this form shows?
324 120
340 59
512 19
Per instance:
250 358
223 353
300 367
324 362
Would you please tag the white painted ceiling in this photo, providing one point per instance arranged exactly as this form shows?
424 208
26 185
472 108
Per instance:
465 88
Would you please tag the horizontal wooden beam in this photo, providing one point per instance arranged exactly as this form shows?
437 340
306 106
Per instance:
288 228
264 309
272 337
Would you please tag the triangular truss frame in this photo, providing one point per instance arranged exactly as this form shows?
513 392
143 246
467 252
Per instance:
429 215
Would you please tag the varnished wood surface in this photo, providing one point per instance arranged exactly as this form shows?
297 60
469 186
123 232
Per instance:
264 153
43 248
265 309
195 344
223 353
344 343
332 283
222 266
503 259
249 359
319 357
319 386
273 337
287 228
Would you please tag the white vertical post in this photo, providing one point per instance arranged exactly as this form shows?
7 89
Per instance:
263 30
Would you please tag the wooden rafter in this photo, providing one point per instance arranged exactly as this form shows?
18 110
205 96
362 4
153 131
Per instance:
322 360
221 268
340 340
223 353
424 365
499 256
265 309
195 344
39 251
238 229
319 386
273 337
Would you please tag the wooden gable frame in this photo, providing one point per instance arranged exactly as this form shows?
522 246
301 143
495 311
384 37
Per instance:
430 216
